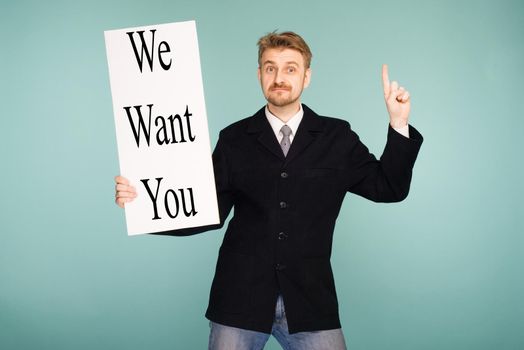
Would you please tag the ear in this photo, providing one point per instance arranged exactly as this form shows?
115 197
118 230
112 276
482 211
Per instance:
258 73
307 77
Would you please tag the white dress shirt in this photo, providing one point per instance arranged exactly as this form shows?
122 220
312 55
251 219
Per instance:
277 124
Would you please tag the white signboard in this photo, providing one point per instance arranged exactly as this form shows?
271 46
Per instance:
161 126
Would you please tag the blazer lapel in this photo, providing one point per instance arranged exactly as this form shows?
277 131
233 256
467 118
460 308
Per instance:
308 129
260 125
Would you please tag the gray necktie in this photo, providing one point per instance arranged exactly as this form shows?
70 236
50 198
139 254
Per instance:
286 142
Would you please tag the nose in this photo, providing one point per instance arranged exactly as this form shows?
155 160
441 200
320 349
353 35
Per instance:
279 77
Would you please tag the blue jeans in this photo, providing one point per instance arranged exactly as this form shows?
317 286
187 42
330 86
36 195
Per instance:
230 338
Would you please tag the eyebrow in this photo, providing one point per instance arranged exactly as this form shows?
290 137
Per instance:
272 62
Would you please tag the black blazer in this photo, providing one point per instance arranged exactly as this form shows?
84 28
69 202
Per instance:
279 238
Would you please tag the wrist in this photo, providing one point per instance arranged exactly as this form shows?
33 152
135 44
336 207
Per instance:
397 124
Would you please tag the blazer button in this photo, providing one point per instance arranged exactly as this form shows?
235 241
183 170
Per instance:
283 205
284 175
282 235
280 267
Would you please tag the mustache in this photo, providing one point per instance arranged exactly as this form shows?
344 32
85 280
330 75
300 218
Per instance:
280 86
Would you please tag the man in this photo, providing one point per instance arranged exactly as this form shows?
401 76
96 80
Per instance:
286 171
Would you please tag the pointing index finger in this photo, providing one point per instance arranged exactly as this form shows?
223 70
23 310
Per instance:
385 79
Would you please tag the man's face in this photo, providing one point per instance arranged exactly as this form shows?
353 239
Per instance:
283 76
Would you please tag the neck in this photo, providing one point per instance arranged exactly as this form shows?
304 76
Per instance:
284 113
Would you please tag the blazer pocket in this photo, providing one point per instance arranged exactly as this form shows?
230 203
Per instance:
320 172
320 285
250 177
231 287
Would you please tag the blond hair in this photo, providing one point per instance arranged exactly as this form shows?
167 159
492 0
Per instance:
284 40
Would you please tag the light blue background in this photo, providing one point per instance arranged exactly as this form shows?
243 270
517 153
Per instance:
441 270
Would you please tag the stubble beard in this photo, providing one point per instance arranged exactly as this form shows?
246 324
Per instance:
280 100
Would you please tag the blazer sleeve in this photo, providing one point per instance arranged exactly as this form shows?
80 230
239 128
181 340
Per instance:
387 179
223 191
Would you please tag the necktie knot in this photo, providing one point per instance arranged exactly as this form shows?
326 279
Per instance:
286 141
286 130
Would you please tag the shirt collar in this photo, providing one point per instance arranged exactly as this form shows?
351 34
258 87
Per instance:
293 122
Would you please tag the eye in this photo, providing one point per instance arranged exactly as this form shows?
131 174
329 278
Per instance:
270 69
291 69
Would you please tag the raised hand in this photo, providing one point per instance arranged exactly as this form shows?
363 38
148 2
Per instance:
397 100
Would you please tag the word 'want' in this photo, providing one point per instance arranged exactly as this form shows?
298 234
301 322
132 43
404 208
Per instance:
163 137
170 196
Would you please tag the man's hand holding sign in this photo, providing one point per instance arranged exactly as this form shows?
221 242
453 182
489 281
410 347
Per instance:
124 192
